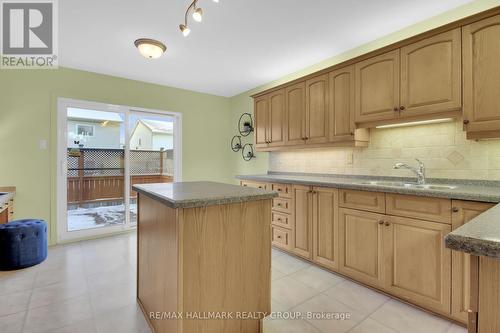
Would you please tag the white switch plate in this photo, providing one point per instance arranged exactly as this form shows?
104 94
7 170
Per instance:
42 144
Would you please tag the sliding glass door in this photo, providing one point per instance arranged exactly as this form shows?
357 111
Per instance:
102 151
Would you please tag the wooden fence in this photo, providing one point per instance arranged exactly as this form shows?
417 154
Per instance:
96 175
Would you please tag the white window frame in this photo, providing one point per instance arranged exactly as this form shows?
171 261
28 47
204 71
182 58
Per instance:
63 235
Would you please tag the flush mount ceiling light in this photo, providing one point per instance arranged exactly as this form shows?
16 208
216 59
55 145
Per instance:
150 48
197 14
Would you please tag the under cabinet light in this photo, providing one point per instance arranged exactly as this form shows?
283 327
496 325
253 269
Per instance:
414 123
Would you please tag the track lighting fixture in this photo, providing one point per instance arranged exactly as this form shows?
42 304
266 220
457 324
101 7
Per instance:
197 14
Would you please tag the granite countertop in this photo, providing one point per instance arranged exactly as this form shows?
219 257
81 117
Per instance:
480 236
200 194
474 190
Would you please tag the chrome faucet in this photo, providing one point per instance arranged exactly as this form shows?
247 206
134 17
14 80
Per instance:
420 171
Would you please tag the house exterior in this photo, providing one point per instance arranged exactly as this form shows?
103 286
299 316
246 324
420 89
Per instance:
152 135
94 129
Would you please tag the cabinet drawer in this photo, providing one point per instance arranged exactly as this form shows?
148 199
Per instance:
282 220
363 200
423 208
281 237
282 205
283 190
254 184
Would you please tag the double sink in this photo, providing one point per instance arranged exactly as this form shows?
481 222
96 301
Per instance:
409 185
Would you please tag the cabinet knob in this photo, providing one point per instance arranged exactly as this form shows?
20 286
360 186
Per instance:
279 190
279 220
352 133
402 107
381 222
455 210
466 121
279 236
307 138
396 108
387 224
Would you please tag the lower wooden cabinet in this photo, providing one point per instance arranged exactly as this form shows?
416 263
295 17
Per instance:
325 204
361 247
417 264
462 212
280 237
302 237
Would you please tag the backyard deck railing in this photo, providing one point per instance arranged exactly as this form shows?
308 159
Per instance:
96 175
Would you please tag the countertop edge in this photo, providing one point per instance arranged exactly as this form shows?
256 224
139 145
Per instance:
204 202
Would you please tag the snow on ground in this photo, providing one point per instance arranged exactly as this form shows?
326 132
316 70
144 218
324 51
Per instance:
97 217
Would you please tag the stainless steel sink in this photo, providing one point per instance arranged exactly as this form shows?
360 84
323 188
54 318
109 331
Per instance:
409 185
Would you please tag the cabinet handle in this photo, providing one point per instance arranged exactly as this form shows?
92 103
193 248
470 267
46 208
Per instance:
279 237
279 190
455 210
387 224
466 122
402 107
352 133
279 205
381 222
396 109
279 220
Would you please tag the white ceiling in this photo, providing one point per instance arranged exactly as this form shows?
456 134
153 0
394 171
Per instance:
239 45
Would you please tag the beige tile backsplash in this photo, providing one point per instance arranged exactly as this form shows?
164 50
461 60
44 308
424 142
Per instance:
442 147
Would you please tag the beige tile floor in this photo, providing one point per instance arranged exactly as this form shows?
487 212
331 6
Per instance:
90 287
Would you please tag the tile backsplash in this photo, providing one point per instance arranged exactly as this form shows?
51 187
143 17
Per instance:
442 147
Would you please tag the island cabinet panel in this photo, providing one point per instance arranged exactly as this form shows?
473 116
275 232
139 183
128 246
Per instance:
276 121
261 113
325 227
424 208
488 320
417 264
302 236
377 88
481 82
431 73
211 259
317 111
295 114
463 212
361 247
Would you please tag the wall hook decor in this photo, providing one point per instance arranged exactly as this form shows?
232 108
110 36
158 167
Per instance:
245 124
236 143
247 152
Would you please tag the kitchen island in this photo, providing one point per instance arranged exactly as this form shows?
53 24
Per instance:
203 256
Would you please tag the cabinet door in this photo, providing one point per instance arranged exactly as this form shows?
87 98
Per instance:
377 88
317 110
463 212
325 226
418 266
261 110
361 247
276 121
341 104
431 75
302 237
295 114
481 71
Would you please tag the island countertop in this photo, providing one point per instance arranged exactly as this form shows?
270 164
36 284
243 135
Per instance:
200 194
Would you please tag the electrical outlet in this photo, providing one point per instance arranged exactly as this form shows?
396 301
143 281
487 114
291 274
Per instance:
350 158
42 144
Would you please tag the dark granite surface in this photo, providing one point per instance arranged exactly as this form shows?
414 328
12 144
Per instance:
199 194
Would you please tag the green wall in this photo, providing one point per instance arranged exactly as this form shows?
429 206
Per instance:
244 103
28 102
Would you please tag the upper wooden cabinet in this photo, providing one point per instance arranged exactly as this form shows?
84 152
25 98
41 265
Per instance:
317 112
261 113
270 119
341 103
295 114
481 83
463 212
431 75
377 88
